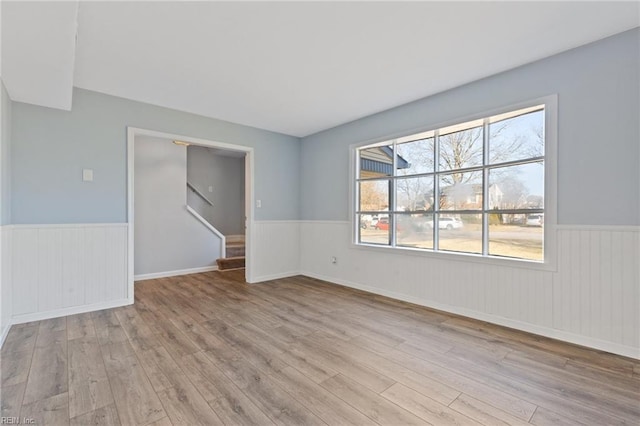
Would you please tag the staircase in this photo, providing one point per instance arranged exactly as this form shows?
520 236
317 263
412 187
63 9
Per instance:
235 253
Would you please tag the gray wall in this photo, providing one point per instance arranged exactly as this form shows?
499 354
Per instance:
207 168
51 147
5 205
167 237
598 89
5 159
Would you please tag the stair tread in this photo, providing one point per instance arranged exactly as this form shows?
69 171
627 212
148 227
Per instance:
235 238
231 263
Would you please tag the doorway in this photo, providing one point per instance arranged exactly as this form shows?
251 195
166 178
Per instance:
236 151
216 198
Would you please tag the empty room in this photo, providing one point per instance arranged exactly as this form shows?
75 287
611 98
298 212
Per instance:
320 213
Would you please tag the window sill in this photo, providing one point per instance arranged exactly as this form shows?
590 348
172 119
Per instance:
458 257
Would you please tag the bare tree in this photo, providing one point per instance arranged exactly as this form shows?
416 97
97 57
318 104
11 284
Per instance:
510 139
514 193
372 197
414 193
535 201
460 150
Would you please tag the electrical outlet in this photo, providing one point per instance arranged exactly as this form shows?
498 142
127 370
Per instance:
334 260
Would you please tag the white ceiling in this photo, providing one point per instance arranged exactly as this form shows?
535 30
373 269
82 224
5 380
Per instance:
291 67
38 50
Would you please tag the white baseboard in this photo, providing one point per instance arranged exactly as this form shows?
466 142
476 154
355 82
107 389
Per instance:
614 348
39 316
5 332
277 276
166 274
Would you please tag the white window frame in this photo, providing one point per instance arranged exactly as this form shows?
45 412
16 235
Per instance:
549 263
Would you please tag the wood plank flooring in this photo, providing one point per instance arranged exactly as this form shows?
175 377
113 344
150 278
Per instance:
208 349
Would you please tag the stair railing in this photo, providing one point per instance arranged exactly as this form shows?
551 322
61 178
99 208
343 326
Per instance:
199 194
205 222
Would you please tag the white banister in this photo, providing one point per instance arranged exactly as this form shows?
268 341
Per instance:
205 222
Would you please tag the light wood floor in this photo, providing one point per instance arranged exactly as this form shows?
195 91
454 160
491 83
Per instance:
209 349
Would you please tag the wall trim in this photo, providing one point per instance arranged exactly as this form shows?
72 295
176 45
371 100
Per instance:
81 309
276 222
165 274
633 228
328 222
65 225
621 228
5 333
277 276
627 351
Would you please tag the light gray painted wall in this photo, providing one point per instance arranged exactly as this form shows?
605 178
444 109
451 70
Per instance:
5 206
225 175
167 237
51 147
598 87
5 159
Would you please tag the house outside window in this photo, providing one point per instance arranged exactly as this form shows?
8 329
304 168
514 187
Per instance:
477 187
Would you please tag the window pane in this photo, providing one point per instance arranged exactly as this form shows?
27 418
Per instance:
415 193
461 149
376 162
461 232
374 195
519 236
397 180
461 191
517 138
374 229
517 187
417 156
415 230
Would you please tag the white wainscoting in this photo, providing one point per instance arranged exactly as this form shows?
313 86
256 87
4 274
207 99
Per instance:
274 250
5 282
63 269
155 275
592 299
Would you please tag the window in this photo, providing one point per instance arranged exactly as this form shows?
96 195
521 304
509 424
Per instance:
476 187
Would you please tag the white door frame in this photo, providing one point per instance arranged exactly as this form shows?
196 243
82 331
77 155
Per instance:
132 132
